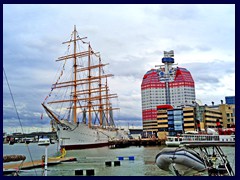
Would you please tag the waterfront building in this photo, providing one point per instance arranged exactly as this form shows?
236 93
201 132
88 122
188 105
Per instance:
228 114
162 118
210 116
167 84
228 111
189 118
175 121
179 120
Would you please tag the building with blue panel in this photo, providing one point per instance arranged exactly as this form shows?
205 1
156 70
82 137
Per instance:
175 121
230 99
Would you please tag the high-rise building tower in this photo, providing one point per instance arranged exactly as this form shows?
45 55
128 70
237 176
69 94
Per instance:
168 84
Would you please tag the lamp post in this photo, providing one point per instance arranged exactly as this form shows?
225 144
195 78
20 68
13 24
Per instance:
44 142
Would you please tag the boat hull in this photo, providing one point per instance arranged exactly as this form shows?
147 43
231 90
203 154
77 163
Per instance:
84 146
172 144
180 159
80 136
208 143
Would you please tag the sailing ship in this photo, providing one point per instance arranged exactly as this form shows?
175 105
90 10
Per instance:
79 103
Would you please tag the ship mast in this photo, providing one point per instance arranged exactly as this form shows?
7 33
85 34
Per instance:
89 88
94 95
75 78
107 101
100 94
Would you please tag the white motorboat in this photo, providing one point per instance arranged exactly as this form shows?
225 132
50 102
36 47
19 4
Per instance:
43 141
173 141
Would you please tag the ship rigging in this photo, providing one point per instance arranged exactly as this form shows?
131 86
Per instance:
85 94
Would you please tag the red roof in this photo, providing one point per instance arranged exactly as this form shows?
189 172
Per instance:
183 78
164 106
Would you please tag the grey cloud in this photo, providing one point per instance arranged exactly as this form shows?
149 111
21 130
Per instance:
206 79
214 67
178 12
203 48
210 73
186 48
130 66
183 48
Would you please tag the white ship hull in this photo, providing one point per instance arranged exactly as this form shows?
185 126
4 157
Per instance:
80 136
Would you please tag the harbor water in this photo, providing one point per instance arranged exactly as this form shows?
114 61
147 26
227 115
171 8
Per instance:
134 160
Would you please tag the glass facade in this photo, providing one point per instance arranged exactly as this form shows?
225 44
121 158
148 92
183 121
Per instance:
175 121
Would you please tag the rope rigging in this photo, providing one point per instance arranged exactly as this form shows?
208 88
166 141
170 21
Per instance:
15 107
85 89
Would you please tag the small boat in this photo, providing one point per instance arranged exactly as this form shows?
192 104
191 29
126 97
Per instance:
11 141
28 140
13 158
180 161
43 141
173 141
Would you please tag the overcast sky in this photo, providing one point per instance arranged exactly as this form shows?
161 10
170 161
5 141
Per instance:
131 38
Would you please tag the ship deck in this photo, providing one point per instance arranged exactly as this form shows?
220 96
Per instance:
207 144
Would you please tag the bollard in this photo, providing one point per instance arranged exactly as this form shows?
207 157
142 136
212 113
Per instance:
90 172
120 158
108 163
116 163
79 172
43 158
131 158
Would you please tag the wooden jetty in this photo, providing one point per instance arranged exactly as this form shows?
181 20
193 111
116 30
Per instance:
120 143
9 168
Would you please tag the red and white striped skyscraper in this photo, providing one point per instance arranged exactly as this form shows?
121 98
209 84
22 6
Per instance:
165 85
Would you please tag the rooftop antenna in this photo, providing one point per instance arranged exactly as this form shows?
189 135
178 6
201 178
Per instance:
167 72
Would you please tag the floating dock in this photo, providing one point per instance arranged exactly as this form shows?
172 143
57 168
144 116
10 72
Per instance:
9 168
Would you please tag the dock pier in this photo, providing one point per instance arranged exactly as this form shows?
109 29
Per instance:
9 168
120 143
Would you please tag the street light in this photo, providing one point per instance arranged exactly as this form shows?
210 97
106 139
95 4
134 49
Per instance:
44 142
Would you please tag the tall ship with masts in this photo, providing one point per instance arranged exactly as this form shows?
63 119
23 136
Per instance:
79 103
